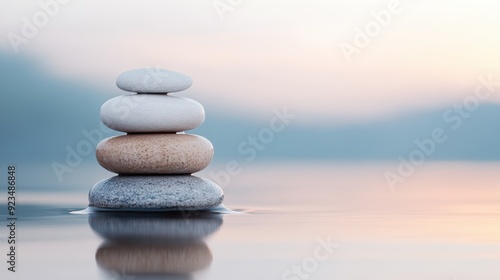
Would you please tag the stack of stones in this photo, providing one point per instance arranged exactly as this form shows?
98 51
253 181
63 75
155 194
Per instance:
155 159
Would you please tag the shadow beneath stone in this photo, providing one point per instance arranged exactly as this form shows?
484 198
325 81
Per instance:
154 245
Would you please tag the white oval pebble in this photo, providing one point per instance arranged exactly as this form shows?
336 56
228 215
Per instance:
146 113
153 80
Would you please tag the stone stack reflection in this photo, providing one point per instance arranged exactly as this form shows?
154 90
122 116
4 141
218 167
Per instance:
155 244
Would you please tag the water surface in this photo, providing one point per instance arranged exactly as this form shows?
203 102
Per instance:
442 223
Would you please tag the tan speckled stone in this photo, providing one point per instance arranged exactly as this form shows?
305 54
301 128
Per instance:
155 153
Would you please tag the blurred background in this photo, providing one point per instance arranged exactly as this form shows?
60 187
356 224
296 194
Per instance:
362 80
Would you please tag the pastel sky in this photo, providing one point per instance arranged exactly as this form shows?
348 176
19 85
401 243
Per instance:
263 54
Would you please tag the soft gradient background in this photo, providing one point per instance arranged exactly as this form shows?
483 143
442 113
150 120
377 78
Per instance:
258 56
323 176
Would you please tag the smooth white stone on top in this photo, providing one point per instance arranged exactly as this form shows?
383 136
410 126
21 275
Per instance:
153 80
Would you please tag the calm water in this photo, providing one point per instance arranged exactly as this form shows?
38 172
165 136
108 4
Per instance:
309 221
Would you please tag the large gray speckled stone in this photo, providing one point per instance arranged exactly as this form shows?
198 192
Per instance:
180 192
153 80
